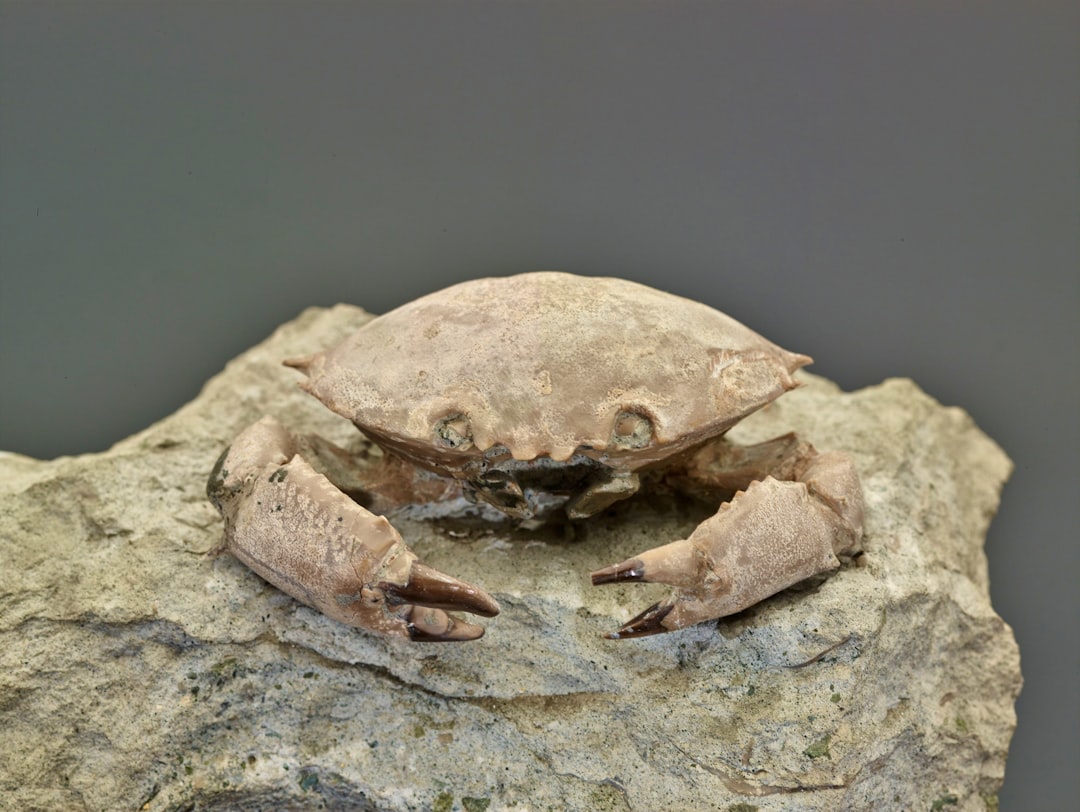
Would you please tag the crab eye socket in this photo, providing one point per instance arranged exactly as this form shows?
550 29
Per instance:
631 430
454 432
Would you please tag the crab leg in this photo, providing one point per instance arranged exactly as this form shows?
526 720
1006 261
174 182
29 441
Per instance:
292 526
771 535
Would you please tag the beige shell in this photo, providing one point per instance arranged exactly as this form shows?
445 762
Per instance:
549 364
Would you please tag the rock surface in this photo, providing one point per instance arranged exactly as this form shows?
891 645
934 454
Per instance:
138 672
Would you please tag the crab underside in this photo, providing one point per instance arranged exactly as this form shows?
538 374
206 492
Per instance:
532 394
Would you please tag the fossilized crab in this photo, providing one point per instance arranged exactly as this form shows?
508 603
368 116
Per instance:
522 392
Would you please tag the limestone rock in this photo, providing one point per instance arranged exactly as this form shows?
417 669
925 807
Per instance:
139 672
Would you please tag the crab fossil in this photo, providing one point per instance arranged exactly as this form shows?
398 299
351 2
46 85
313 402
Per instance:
516 391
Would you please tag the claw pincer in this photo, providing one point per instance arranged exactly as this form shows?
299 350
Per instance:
767 538
289 524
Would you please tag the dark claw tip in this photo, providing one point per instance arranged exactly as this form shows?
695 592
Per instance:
429 587
647 623
630 570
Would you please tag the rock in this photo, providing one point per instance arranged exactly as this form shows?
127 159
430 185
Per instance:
139 672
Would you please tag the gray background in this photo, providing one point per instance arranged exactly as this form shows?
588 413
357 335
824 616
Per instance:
894 190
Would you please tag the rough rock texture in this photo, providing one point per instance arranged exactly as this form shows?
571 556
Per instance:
137 672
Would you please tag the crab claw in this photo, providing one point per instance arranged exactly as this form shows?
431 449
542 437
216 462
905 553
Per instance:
293 527
769 537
